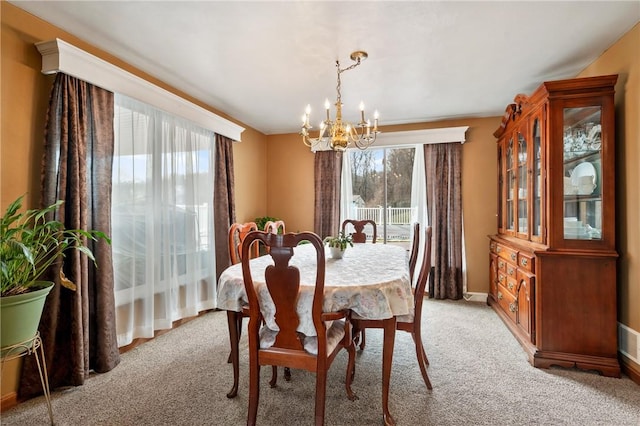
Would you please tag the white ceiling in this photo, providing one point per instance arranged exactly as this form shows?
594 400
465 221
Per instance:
263 62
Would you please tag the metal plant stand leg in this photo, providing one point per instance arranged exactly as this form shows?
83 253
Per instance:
26 348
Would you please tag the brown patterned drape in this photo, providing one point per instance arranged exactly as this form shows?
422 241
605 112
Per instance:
444 209
327 170
224 201
78 328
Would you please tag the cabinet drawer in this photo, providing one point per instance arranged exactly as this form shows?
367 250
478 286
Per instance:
507 253
526 262
502 264
507 302
508 283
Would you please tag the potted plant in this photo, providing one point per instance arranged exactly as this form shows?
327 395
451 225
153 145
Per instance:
338 244
30 243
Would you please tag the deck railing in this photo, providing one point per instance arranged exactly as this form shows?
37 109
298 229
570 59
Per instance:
395 215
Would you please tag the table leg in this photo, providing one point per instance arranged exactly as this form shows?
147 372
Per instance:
387 358
232 319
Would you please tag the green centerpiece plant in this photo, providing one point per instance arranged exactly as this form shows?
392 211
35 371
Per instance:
338 244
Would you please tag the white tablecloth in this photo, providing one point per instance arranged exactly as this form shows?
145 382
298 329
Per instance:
371 279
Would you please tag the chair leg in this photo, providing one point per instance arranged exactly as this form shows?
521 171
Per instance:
287 374
424 355
232 320
351 371
274 376
421 356
321 389
239 333
254 392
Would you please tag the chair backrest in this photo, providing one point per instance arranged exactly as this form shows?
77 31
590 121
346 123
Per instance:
275 226
283 285
415 248
423 277
359 235
237 233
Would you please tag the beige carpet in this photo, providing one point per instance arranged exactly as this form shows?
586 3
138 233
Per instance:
479 373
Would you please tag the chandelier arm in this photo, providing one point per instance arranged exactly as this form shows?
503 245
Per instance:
338 134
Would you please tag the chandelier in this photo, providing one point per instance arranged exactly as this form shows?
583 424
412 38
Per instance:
338 134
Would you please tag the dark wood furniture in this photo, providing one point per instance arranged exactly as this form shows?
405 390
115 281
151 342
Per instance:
237 233
553 260
275 227
360 338
415 249
411 323
288 347
359 235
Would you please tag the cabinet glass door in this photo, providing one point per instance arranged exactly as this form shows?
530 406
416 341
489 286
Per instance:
582 173
510 175
523 218
501 186
536 229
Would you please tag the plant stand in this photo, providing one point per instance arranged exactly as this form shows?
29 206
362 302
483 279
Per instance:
29 347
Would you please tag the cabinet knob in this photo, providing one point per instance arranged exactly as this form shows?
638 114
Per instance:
498 249
500 296
510 285
513 307
524 261
511 271
513 256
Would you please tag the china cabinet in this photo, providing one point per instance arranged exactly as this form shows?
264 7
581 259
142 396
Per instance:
553 261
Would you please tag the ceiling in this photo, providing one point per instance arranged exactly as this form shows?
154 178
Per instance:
263 62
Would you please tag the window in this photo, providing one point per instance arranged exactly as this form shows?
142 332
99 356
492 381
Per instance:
381 182
162 219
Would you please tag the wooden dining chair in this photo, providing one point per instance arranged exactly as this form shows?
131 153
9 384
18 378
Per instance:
288 347
415 249
359 235
275 227
360 337
412 322
237 234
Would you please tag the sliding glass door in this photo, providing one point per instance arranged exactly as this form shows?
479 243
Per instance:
381 182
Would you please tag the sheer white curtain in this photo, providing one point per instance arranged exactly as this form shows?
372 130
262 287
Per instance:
346 190
162 219
419 200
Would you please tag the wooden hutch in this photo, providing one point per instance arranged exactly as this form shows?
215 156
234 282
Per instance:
553 260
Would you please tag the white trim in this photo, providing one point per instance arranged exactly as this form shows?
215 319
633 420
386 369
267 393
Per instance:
408 138
424 136
629 342
475 297
60 56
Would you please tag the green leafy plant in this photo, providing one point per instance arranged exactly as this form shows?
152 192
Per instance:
31 242
262 221
341 241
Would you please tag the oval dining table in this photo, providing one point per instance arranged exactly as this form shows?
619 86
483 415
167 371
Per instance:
372 280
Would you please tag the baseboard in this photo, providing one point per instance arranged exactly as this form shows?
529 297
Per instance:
9 400
630 368
629 343
475 297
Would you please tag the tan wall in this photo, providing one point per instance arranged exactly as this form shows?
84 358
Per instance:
623 58
25 96
291 166
250 165
290 189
